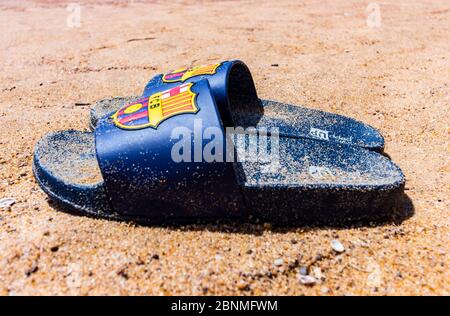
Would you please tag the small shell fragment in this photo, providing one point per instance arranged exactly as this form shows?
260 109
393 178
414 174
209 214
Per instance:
307 279
278 262
337 246
7 202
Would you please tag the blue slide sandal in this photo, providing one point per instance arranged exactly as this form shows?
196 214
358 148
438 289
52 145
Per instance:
168 158
232 85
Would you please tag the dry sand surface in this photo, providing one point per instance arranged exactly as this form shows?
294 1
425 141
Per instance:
321 54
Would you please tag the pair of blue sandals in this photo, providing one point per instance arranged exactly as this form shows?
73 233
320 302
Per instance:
319 167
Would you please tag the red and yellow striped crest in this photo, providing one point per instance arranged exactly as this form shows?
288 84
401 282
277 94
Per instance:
185 73
151 111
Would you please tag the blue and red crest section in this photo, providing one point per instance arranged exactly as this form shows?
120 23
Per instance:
151 111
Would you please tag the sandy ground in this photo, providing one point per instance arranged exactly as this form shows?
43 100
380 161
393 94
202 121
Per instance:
317 53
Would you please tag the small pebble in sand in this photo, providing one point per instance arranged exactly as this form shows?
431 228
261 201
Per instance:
278 262
307 279
317 272
337 246
7 202
303 270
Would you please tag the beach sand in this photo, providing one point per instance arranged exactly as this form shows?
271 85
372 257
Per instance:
321 54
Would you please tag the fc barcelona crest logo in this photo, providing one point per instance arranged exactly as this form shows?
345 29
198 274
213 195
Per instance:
151 111
185 73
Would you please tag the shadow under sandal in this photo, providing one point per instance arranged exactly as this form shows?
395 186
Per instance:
128 169
233 88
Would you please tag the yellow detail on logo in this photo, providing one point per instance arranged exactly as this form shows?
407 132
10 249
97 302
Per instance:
133 108
183 74
151 111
